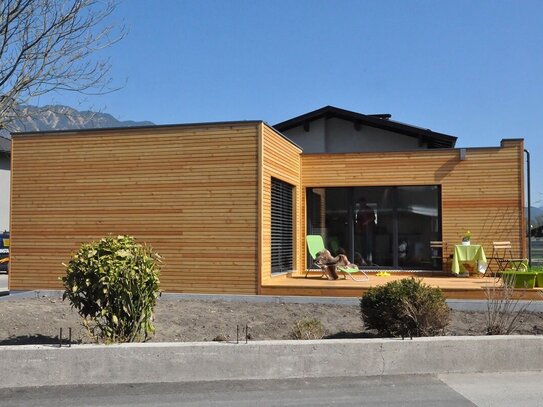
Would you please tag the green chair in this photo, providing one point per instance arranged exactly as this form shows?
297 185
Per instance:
315 245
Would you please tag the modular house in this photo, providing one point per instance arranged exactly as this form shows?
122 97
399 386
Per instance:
228 205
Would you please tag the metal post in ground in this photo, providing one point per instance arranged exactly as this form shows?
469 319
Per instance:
529 208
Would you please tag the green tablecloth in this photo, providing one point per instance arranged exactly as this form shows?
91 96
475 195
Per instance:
463 254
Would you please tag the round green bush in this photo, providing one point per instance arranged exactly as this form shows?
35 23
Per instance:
406 308
113 283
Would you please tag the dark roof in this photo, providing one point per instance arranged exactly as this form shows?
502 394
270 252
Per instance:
381 121
129 128
5 141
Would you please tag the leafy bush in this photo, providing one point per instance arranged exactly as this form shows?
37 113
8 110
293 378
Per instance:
405 308
113 283
308 328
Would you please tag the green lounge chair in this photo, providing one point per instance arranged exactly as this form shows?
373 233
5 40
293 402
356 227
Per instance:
315 244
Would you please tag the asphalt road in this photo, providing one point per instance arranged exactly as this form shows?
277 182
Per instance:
514 389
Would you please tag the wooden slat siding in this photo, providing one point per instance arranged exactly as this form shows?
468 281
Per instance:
483 194
10 210
524 237
281 160
449 293
260 239
190 192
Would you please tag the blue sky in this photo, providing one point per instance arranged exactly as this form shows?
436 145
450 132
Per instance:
472 69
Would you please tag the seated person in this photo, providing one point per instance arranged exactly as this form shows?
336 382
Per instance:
330 264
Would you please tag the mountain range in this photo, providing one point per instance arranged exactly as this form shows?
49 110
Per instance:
536 214
59 117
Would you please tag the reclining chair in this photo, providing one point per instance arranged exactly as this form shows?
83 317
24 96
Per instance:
315 245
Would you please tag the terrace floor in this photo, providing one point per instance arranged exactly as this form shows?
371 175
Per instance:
472 288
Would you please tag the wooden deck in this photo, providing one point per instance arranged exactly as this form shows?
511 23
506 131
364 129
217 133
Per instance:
452 287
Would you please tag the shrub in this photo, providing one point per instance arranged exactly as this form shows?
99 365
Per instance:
308 328
113 283
504 311
404 308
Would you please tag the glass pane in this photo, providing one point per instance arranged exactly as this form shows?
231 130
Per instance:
328 216
418 224
336 238
373 226
377 226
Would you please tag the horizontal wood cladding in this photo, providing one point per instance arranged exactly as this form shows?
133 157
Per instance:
281 160
190 192
483 193
452 287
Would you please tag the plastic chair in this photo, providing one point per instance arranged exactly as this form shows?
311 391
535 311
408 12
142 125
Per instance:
315 245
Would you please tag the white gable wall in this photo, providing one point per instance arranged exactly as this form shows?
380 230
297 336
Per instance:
340 136
312 141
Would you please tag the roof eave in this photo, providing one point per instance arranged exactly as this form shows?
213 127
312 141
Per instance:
441 140
137 128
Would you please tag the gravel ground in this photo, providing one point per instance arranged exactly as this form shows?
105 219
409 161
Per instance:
37 321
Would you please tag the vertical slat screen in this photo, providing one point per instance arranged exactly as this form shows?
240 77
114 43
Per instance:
281 226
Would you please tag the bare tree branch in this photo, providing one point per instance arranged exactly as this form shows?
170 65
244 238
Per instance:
47 45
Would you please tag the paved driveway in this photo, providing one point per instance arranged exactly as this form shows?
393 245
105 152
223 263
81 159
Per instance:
455 390
400 391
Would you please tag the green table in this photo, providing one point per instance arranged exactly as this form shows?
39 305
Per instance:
464 254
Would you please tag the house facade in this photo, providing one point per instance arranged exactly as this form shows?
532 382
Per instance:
228 205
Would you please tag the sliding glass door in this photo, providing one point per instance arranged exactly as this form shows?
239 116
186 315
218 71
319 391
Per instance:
377 226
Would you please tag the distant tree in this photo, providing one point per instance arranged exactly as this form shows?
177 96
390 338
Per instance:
46 46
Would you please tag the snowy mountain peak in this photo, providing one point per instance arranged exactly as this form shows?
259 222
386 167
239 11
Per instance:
59 117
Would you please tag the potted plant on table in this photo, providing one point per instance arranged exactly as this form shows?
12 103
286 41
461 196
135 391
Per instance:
466 239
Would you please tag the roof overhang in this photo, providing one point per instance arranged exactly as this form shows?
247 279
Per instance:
432 138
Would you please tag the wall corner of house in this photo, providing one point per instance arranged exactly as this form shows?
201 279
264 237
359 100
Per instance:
260 197
512 142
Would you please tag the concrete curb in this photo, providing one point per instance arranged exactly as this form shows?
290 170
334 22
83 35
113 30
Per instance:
38 365
209 297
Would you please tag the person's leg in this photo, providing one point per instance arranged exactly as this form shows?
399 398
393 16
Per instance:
368 246
331 273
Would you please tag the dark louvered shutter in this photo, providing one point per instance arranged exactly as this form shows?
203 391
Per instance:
281 226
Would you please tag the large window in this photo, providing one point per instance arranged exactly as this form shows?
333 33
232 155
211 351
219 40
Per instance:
377 226
281 226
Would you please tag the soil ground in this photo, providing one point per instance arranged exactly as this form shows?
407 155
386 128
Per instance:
38 320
